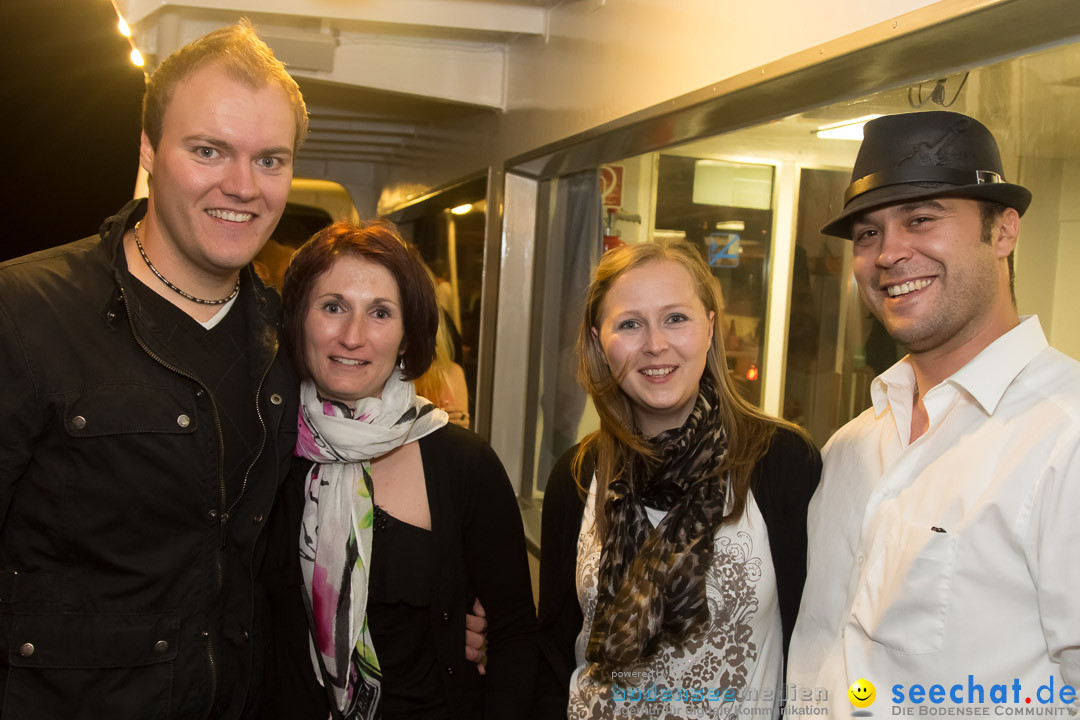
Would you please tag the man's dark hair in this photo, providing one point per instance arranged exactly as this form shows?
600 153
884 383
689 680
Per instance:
991 212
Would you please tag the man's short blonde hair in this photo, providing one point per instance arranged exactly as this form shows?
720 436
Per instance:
243 56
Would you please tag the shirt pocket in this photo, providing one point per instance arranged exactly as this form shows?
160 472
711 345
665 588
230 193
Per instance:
81 665
903 598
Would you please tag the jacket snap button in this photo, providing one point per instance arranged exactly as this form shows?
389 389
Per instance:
78 422
161 646
183 421
445 616
258 518
26 650
449 669
275 399
212 514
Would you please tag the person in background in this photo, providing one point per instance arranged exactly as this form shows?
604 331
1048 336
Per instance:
393 521
444 382
942 540
673 545
148 414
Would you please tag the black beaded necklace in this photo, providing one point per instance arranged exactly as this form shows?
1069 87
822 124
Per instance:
175 289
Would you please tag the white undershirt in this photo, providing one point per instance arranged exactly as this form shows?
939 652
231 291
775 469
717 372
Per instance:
220 315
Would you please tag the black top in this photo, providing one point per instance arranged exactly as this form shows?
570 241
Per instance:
479 547
398 612
783 482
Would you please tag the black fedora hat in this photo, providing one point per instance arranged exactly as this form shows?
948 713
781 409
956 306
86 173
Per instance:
927 154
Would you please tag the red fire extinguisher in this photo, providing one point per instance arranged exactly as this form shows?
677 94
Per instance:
611 233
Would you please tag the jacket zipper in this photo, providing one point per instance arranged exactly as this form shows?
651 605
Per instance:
223 515
262 425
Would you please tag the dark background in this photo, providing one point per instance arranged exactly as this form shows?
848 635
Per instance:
71 104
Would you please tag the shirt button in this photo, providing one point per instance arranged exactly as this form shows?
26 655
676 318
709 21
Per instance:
78 422
445 616
862 559
449 668
161 647
245 635
275 399
183 421
26 650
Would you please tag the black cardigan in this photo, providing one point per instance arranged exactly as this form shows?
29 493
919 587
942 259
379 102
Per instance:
477 528
782 482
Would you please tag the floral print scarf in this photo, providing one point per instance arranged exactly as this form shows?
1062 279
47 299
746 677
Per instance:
335 534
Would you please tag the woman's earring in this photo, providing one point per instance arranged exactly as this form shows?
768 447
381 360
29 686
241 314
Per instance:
401 362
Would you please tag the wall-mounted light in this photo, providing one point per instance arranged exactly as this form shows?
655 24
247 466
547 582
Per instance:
845 129
461 209
123 28
137 58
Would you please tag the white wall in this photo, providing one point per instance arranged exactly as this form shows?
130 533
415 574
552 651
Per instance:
598 65
1065 330
627 55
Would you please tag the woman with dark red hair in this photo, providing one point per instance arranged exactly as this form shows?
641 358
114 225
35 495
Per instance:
395 521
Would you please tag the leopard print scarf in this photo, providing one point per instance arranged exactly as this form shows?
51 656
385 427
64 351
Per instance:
651 583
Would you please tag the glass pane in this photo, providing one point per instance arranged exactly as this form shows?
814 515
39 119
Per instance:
573 246
451 242
725 209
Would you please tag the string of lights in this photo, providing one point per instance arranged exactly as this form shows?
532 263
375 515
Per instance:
122 26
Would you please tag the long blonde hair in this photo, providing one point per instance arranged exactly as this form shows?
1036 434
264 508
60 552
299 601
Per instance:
433 383
749 431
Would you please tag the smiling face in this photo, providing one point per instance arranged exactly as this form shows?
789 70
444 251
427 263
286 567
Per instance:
924 271
219 176
862 693
655 334
353 330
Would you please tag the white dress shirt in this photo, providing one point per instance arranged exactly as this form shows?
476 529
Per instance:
957 554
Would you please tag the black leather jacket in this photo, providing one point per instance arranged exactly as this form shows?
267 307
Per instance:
127 583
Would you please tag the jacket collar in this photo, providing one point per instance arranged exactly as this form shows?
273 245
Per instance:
261 304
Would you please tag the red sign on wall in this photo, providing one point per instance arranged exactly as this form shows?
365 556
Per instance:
611 185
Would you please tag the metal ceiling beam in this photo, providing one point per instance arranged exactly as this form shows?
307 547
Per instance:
466 15
459 72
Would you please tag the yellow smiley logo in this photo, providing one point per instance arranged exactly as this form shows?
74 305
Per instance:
862 693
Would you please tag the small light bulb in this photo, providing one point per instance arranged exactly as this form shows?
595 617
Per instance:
461 209
123 27
136 57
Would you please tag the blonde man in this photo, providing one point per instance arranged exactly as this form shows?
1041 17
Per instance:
149 415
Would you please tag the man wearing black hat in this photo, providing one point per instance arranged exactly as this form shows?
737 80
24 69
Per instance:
941 538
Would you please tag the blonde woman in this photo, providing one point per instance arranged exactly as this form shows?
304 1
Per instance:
444 382
674 537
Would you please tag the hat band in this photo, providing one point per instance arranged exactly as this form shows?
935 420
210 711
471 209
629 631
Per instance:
920 173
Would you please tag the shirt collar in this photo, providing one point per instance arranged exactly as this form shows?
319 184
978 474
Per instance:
985 377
